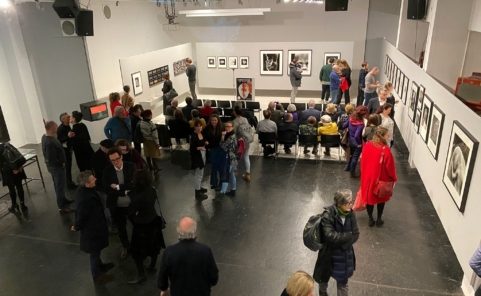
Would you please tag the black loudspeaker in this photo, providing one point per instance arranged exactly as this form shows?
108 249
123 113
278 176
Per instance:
84 23
416 9
65 8
336 5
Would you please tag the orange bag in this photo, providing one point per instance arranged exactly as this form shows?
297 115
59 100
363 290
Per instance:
359 205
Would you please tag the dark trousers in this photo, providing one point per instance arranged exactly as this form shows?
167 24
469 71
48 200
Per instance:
380 210
119 217
478 292
138 147
347 97
360 96
68 165
95 264
217 159
14 189
342 287
59 182
368 96
192 90
326 92
355 153
139 263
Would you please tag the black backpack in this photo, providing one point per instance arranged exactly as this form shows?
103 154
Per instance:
312 234
12 157
138 137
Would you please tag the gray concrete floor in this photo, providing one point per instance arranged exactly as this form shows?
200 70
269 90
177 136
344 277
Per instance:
256 237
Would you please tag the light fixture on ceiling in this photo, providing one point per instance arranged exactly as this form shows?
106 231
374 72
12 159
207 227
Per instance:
224 12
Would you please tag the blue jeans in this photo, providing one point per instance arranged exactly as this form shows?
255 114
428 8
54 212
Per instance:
59 177
368 96
334 94
217 159
355 153
95 263
232 181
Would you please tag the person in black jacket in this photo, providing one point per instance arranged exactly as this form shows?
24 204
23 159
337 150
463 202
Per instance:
134 114
287 132
81 142
187 109
362 83
198 145
216 156
64 135
117 181
179 127
12 177
90 221
346 74
101 160
339 231
147 238
188 267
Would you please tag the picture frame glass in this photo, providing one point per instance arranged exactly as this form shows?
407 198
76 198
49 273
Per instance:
304 61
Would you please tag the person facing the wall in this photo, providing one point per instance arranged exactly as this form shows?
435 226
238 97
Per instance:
346 76
362 83
325 80
65 136
335 83
119 126
371 85
191 73
126 100
81 142
12 177
114 99
295 76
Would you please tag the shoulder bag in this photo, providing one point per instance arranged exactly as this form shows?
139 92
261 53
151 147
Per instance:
160 217
383 189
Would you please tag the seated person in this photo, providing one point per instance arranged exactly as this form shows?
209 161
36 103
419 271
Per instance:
277 111
287 131
170 110
130 155
331 110
267 126
328 128
206 111
179 128
187 110
195 114
309 129
310 111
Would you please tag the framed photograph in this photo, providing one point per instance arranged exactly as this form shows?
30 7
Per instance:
388 74
417 120
222 62
180 67
211 62
463 148
329 55
271 62
244 62
305 61
422 90
393 71
233 63
386 65
137 83
412 101
435 131
425 118
245 89
399 81
406 90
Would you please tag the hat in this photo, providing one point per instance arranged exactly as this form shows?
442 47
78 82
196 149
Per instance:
326 119
107 143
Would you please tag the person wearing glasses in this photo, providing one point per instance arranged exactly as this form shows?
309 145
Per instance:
228 143
117 180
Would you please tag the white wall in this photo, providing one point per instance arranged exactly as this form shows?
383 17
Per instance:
472 61
223 78
475 23
464 237
413 34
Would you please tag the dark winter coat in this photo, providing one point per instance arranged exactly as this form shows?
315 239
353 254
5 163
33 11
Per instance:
196 155
81 146
336 259
295 75
100 161
90 221
110 177
8 177
355 127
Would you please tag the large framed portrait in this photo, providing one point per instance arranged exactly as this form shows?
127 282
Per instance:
244 62
331 55
180 67
412 101
211 62
425 118
435 131
305 61
271 62
405 90
233 63
245 89
222 62
463 148
137 83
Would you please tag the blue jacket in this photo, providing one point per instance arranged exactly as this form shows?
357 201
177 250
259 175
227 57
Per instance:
335 81
117 128
475 262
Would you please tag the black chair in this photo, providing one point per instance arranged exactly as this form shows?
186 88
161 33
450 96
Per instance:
254 106
199 103
223 104
331 141
213 103
287 138
308 140
268 139
300 106
284 105
319 107
227 113
240 103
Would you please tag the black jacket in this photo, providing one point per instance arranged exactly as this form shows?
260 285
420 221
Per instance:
187 112
90 221
81 146
346 73
195 155
100 161
110 177
373 105
212 137
62 135
142 206
287 132
190 268
167 86
179 129
8 177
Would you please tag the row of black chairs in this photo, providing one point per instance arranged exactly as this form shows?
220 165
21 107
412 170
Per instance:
255 106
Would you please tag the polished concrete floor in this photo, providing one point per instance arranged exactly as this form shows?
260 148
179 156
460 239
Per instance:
256 237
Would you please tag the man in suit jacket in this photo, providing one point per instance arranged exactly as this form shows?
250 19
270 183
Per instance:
117 180
375 103
188 266
310 111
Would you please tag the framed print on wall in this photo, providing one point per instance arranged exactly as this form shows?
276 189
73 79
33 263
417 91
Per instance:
417 120
180 67
245 89
137 83
399 82
419 104
233 63
462 151
222 62
412 101
329 55
244 62
406 90
305 60
435 131
425 118
211 62
271 62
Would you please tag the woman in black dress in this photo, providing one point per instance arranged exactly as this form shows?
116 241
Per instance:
147 237
12 178
81 142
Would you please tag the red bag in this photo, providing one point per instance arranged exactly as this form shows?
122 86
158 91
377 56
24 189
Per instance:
359 205
344 85
383 189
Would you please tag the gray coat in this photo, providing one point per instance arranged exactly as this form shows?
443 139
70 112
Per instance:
295 75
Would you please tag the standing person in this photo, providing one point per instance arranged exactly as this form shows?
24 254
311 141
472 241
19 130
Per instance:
151 141
295 76
228 143
390 97
195 115
346 75
119 126
198 145
377 164
81 142
213 134
188 266
324 76
475 264
362 83
64 135
335 83
336 258
91 222
168 86
355 127
187 109
130 155
168 92
12 177
243 129
371 85
376 103
117 181
300 284
387 122
135 118
115 102
55 159
191 73
373 121
126 100
147 237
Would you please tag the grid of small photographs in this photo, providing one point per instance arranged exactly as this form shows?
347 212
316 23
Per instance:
398 79
157 75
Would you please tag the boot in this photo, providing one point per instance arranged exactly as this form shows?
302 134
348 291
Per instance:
200 196
23 207
379 222
247 177
371 222
203 190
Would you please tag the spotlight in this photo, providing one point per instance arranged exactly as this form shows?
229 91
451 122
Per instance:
5 4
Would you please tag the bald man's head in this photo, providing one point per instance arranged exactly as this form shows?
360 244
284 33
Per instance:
187 228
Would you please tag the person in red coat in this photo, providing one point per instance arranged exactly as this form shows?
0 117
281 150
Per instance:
114 99
373 153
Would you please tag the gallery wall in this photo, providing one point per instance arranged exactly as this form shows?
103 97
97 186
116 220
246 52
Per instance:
458 226
472 61
223 78
475 23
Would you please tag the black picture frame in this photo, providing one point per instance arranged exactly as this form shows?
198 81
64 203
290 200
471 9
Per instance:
412 101
425 120
406 90
435 131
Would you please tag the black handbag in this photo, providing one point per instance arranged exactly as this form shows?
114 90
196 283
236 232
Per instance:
14 159
160 218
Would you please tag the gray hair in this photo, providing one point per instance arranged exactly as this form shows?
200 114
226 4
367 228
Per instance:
311 104
291 108
189 231
83 177
174 103
342 197
119 110
207 103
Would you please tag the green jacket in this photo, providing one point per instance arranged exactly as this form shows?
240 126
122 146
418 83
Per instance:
325 71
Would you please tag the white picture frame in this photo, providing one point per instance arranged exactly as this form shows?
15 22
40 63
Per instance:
435 131
137 83
305 60
425 118
222 62
244 62
233 63
211 62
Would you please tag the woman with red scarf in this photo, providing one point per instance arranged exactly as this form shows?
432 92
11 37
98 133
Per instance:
377 164
355 126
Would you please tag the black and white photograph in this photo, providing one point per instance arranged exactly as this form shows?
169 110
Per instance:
417 120
271 62
425 118
245 89
180 67
157 75
244 62
137 83
393 73
222 62
399 81
305 60
233 63
386 65
211 62
460 161
435 131
419 104
329 55
405 90
412 101
401 86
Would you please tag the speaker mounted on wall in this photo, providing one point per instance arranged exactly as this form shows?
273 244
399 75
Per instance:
416 9
65 8
336 5
84 23
68 27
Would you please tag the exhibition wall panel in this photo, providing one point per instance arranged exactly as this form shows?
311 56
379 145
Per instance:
475 24
223 78
472 61
459 226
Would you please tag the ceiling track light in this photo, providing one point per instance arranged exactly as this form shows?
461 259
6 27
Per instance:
224 12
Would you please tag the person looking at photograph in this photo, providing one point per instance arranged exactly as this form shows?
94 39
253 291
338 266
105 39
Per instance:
371 85
387 121
295 76
198 144
191 73
126 100
345 75
326 80
362 83
335 83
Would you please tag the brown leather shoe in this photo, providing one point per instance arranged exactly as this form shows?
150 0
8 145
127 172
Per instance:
246 177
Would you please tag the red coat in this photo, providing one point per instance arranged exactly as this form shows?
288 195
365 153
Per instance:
114 105
370 168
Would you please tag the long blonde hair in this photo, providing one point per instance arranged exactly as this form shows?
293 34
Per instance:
300 284
379 135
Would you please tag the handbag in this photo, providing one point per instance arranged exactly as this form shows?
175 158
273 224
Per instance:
383 189
359 205
160 218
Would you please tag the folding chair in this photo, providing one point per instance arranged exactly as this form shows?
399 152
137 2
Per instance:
268 139
308 141
331 141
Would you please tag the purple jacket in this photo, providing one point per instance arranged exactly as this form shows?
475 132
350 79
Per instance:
355 127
